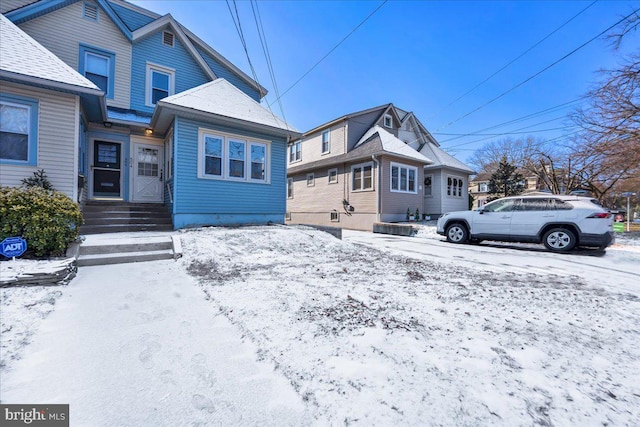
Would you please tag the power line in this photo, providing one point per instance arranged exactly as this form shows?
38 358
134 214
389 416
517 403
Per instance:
513 60
267 56
331 51
539 72
513 121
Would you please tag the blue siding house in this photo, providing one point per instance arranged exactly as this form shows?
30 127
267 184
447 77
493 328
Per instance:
174 123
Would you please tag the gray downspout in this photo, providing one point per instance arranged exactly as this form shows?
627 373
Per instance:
378 189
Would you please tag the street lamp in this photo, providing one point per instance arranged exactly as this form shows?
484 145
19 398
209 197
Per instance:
628 195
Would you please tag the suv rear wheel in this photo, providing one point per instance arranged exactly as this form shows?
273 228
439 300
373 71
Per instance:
559 240
457 233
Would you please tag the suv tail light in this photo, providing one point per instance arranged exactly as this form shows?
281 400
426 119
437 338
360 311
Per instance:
600 215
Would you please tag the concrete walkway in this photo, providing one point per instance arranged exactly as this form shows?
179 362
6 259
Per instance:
138 345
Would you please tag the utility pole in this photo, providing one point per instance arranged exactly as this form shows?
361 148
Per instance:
628 195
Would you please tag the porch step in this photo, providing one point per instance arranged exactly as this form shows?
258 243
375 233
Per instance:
113 217
121 248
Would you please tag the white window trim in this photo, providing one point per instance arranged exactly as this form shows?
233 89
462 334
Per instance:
225 157
362 165
446 183
289 183
311 180
329 176
384 121
159 68
291 147
337 216
328 150
408 168
425 186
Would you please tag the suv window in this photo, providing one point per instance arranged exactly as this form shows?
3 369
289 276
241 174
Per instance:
505 205
561 205
540 204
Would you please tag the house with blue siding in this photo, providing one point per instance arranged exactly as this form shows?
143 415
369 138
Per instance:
170 121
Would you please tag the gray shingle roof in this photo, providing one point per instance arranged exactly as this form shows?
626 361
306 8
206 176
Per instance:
392 145
443 159
21 57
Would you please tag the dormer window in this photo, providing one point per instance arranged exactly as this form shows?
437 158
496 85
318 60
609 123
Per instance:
387 121
167 38
90 11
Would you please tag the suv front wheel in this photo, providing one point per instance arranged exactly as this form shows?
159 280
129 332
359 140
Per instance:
559 240
457 233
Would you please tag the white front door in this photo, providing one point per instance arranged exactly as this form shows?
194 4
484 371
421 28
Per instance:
148 176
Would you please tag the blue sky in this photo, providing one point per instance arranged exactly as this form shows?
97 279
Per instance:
420 55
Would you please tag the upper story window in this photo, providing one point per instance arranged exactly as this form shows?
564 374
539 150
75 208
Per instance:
483 187
18 130
362 177
229 157
99 66
403 178
295 152
160 83
428 185
325 142
387 121
167 38
454 186
90 11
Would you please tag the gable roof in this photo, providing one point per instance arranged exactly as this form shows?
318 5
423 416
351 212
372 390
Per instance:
389 144
24 60
220 101
136 22
347 117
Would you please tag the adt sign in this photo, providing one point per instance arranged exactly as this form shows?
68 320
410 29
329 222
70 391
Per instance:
13 246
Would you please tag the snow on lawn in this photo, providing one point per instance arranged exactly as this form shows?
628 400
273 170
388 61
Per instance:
370 338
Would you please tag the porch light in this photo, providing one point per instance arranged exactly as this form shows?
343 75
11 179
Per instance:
148 131
107 124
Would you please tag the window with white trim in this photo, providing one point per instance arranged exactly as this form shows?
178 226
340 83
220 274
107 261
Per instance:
99 66
18 130
335 216
454 186
311 179
362 177
483 187
403 178
223 156
325 142
387 121
428 185
295 152
289 188
333 176
160 83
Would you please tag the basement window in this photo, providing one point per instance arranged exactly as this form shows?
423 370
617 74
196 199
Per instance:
335 216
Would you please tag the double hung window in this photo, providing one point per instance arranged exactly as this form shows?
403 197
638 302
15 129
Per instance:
362 177
403 178
18 130
228 157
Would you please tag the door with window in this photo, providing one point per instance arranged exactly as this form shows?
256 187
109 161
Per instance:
107 169
148 176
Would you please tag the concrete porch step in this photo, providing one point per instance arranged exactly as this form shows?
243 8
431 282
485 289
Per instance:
120 248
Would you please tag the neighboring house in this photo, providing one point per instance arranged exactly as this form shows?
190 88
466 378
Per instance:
479 188
179 125
371 166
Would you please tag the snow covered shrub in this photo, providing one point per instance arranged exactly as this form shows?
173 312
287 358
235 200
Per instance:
47 220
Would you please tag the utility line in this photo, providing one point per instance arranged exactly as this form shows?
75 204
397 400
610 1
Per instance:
540 72
512 61
267 55
331 51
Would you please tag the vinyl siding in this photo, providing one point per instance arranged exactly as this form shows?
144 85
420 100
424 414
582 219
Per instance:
52 31
357 127
450 203
57 139
9 5
312 146
433 204
394 205
188 73
222 71
208 201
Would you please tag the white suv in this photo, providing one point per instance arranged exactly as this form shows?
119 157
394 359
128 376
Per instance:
560 222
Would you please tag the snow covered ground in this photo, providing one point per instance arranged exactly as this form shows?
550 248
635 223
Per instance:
381 330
